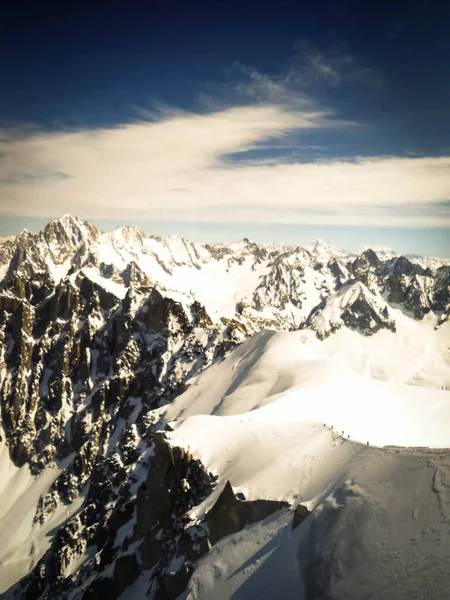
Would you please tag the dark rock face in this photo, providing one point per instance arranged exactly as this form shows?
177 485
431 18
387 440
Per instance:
56 358
418 290
355 307
300 514
441 289
337 270
371 258
362 315
84 370
230 515
126 571
396 267
162 314
155 522
163 496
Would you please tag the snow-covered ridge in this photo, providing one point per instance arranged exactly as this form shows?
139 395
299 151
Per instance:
218 276
279 421
318 288
173 250
277 378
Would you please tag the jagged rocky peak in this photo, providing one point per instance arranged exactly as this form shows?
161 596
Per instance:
244 249
338 270
281 286
441 290
297 258
173 251
371 257
37 264
133 276
70 232
353 306
7 249
319 245
401 266
322 251
419 290
303 255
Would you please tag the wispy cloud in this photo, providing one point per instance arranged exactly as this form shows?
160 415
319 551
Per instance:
308 74
172 164
138 170
331 65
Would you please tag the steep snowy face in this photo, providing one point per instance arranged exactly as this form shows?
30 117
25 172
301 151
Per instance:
100 334
353 306
282 285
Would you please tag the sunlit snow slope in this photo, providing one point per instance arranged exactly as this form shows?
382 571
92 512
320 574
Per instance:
273 418
288 382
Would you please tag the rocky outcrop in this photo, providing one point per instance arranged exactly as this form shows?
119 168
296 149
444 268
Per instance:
355 307
283 284
365 316
230 514
301 512
162 314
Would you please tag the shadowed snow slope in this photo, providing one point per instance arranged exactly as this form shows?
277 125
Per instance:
379 531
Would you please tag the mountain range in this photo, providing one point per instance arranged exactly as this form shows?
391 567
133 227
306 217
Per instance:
185 420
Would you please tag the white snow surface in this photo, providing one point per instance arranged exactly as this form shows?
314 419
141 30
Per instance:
378 531
269 419
276 378
416 353
180 266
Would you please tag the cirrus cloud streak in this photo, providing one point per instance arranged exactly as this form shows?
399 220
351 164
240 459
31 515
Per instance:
175 168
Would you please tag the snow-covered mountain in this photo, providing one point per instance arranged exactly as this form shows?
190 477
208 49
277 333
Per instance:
170 409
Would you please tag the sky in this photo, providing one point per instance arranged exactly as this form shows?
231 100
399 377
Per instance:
270 119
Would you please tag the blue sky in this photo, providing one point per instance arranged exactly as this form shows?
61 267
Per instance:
204 118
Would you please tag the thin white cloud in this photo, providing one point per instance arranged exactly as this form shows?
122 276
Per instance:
174 169
331 65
